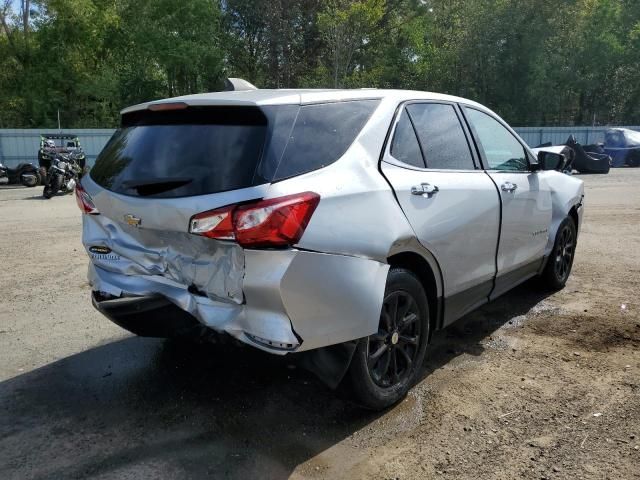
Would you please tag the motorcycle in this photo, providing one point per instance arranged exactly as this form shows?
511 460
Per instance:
62 175
26 173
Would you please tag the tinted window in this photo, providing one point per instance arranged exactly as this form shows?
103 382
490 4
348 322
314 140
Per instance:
183 153
614 139
404 146
443 141
501 149
322 134
280 123
203 150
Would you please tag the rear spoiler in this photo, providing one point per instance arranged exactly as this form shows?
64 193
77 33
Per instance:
231 85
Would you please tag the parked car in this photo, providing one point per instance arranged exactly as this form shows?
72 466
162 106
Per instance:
623 145
341 226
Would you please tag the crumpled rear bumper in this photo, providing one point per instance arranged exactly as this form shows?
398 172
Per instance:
148 316
293 300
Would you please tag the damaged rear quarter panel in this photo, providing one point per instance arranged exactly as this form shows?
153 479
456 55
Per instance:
333 298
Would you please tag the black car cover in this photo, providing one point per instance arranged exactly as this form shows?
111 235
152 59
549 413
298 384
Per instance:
588 161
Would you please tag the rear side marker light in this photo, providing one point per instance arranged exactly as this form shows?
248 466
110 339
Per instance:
85 204
276 222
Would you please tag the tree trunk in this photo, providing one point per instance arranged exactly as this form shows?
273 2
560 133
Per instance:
26 7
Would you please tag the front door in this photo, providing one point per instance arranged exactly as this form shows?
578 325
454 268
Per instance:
452 206
525 197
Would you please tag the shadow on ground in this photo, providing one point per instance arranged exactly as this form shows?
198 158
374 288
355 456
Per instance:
470 334
141 408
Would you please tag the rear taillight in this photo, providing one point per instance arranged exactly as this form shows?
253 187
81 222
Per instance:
85 204
276 222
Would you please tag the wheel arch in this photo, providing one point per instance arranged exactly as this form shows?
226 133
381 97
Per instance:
428 272
573 213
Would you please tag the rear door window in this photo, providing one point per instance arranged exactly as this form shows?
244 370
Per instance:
441 136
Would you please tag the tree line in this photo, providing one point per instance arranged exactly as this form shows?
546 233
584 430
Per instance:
536 62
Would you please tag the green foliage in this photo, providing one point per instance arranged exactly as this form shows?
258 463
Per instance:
346 27
536 62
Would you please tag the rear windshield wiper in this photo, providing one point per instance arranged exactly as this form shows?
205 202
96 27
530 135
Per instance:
152 186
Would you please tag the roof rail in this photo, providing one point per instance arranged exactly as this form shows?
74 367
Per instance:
237 84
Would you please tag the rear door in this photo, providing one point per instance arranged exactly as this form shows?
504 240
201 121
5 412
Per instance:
451 204
525 197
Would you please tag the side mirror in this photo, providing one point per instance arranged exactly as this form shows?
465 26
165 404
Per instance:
550 161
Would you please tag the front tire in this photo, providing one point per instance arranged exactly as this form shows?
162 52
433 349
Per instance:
386 364
556 272
52 187
42 173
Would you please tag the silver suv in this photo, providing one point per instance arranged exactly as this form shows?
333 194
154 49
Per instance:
345 224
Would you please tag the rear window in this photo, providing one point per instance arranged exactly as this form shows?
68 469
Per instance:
204 150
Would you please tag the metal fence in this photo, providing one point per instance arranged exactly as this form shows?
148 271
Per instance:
21 145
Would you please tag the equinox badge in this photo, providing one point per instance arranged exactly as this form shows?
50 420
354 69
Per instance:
132 220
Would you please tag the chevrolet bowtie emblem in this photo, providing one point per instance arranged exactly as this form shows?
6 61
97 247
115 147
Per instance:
132 220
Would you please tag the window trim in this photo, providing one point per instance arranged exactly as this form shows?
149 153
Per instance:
478 146
415 133
386 152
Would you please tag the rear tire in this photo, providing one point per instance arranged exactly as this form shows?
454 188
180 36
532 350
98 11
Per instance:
558 268
30 181
386 364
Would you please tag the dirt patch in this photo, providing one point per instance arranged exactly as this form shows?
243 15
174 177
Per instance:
594 333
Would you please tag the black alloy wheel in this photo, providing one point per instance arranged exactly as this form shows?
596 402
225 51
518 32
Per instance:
563 253
556 271
392 351
387 363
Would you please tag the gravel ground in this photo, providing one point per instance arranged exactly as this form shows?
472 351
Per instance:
530 386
